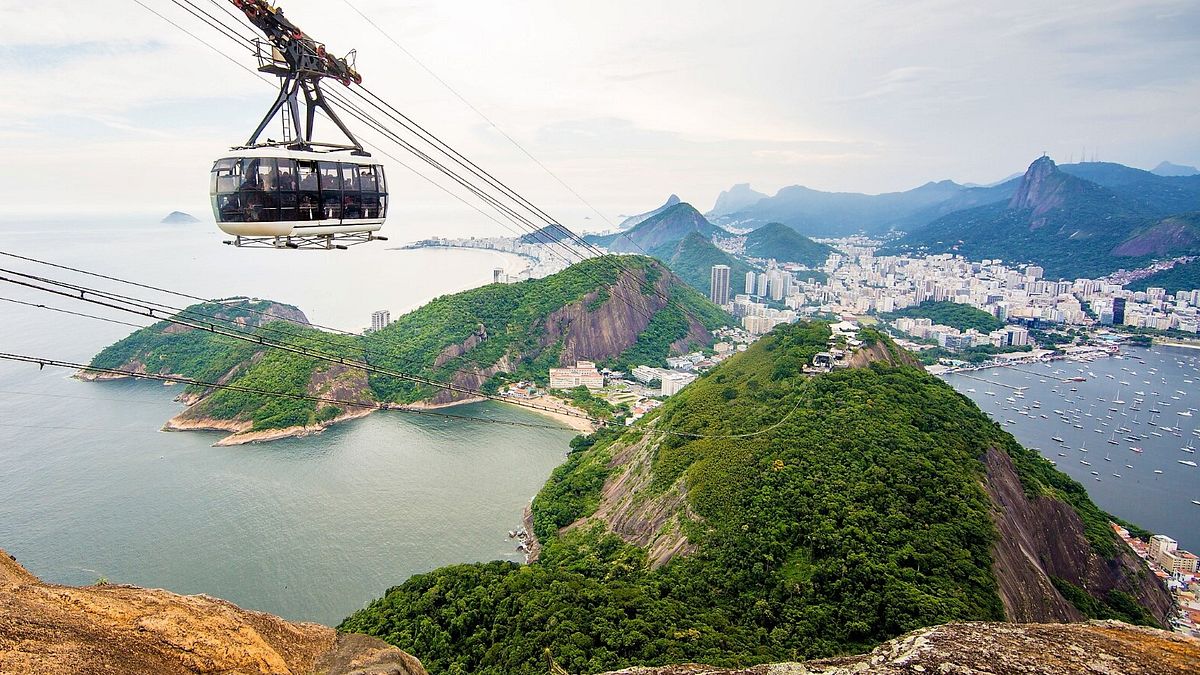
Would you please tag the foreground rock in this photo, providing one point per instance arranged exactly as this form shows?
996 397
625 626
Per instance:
999 649
46 628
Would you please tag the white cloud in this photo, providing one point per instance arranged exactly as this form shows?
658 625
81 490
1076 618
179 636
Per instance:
627 101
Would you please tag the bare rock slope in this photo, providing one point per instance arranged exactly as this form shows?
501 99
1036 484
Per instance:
45 628
997 649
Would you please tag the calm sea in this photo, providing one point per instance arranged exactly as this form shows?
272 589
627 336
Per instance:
308 528
1162 378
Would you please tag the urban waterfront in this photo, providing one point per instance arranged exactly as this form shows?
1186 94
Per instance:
1165 378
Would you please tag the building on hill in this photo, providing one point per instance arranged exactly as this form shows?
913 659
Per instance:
379 319
719 293
583 374
751 277
674 381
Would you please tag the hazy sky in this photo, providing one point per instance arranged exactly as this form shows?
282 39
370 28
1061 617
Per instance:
108 107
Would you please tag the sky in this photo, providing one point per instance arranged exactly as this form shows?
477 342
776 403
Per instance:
110 109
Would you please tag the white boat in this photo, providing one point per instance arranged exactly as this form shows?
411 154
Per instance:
1085 462
1116 475
1187 462
1158 471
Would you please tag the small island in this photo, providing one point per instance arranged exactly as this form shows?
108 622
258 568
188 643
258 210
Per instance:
179 218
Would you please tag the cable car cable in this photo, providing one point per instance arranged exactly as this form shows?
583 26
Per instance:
81 293
43 361
535 230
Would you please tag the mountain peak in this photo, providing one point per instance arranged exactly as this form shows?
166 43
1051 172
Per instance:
736 198
631 221
1041 187
1170 169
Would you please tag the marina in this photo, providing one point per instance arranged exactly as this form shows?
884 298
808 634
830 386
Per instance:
1138 403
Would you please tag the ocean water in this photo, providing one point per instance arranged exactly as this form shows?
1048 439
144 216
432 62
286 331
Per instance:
309 528
1167 378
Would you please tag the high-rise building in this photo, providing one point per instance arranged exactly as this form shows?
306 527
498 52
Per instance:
1118 311
720 285
750 277
379 319
760 289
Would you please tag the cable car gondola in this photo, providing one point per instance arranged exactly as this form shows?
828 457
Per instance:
298 193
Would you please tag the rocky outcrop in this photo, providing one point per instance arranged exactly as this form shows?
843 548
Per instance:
627 509
594 332
45 628
338 381
996 649
1042 537
1176 233
1043 188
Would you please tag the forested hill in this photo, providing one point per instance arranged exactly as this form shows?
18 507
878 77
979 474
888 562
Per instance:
778 241
609 309
763 514
693 258
953 314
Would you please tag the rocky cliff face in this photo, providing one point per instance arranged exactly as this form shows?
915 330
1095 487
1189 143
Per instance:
46 628
997 649
1043 188
1041 538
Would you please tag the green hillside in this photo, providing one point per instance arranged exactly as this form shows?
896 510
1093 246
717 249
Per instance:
953 314
778 241
505 327
667 227
848 510
1184 277
693 258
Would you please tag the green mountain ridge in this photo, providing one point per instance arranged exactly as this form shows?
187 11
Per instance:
475 339
668 226
1071 226
692 260
778 241
763 515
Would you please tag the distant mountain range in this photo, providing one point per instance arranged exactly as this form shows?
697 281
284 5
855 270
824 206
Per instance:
1076 220
818 213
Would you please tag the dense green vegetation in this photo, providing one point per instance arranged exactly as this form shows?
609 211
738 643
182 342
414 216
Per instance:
692 260
167 348
1185 277
498 321
953 314
778 241
1115 605
856 516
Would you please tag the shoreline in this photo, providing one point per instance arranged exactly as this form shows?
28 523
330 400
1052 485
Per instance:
575 423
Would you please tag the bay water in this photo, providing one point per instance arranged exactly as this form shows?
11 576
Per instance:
308 528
